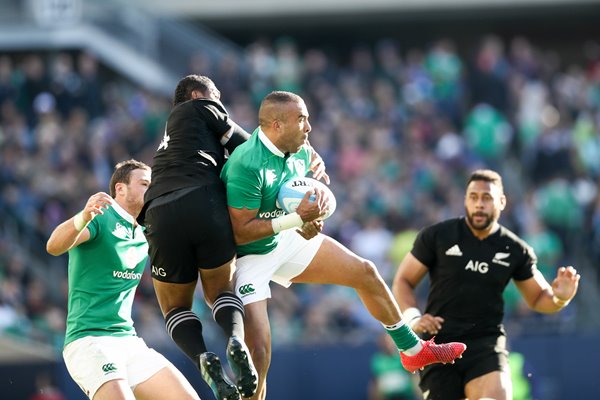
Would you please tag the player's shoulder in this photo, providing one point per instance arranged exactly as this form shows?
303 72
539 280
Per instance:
442 232
509 236
444 226
509 239
250 153
250 148
99 225
108 217
212 105
199 105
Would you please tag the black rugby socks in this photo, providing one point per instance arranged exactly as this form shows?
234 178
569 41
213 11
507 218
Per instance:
228 312
185 328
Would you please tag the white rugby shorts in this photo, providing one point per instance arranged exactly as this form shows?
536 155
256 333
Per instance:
288 260
95 360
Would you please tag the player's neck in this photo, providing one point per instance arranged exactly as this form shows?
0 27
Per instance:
131 209
482 234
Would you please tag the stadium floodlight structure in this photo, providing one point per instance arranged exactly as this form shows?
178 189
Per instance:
150 50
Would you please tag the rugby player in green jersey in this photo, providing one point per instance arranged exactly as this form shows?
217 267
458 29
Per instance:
107 255
289 248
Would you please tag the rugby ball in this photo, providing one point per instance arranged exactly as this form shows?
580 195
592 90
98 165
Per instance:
292 192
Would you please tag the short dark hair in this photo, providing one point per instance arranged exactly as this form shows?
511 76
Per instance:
278 97
281 96
122 173
185 87
487 175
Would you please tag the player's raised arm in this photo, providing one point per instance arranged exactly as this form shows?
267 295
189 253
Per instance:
74 231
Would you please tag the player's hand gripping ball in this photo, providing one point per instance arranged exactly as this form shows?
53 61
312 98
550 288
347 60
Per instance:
292 192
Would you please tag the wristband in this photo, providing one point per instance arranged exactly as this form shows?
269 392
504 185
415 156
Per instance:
287 221
79 222
410 315
560 302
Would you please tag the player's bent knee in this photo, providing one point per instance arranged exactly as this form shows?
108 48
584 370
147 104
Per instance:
261 356
369 275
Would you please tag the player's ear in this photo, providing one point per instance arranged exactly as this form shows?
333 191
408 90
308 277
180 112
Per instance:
196 94
120 188
502 202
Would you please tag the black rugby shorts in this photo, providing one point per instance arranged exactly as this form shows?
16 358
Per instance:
187 233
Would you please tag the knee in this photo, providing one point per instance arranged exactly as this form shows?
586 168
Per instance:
370 276
214 290
212 293
261 355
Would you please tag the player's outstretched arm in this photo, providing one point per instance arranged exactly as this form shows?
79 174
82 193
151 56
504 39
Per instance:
409 274
542 297
74 231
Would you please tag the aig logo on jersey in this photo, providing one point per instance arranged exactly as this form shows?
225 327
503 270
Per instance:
477 266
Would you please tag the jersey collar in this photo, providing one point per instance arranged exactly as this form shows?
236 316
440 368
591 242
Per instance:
124 214
265 140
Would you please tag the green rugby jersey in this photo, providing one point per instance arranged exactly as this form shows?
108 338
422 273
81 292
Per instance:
253 175
104 273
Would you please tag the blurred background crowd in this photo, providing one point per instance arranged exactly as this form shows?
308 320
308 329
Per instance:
399 127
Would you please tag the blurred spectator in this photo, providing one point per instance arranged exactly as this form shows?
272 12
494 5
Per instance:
372 242
519 376
489 77
488 133
8 89
553 152
289 66
46 389
558 208
89 95
445 68
390 381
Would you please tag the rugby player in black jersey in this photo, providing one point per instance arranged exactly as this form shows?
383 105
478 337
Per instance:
470 261
189 231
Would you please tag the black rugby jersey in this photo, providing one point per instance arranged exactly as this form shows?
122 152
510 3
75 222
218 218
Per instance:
190 152
468 275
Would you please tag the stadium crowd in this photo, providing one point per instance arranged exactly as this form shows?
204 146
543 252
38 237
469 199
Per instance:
399 129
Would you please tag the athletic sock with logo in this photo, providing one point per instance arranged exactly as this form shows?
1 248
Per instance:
405 338
185 329
228 312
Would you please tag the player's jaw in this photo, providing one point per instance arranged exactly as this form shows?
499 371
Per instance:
304 139
479 220
299 141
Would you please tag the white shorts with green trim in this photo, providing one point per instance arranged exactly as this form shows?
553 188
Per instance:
94 360
288 260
